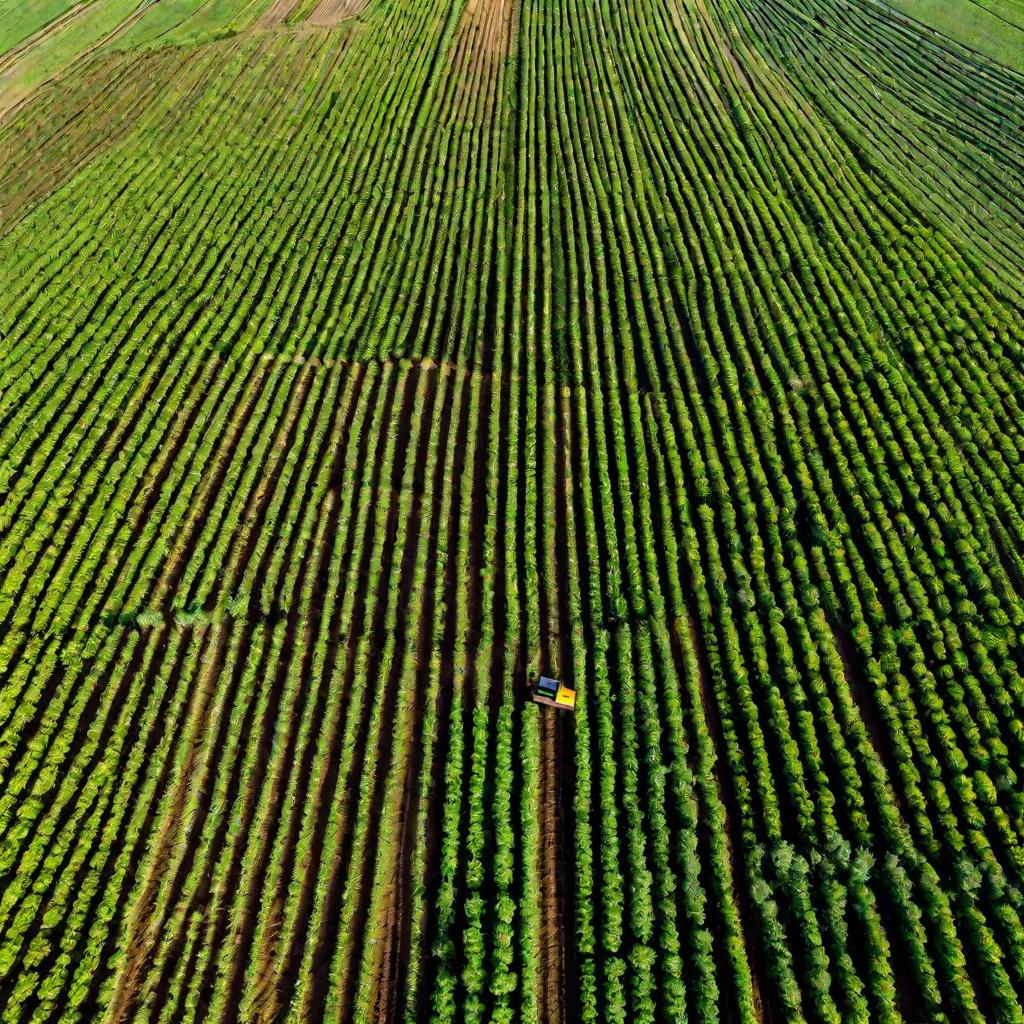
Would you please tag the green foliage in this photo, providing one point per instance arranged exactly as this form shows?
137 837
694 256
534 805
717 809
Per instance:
353 376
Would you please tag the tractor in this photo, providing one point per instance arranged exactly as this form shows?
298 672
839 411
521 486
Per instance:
553 693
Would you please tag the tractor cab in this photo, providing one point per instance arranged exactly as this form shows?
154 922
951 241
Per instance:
553 693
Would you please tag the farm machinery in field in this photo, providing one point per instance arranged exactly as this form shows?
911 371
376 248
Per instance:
553 693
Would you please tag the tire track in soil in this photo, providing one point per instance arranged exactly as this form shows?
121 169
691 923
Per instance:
384 755
140 938
202 891
556 1003
393 958
142 941
399 403
553 955
394 966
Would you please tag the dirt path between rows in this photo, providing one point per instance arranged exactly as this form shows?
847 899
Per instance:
332 12
553 873
277 13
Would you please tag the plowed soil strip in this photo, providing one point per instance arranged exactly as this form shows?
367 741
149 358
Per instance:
394 964
552 954
277 13
484 36
333 12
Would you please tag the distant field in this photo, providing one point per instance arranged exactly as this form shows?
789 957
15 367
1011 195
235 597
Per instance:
993 27
87 28
190 22
362 361
20 19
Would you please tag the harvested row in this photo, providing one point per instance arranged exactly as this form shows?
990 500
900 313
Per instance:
332 12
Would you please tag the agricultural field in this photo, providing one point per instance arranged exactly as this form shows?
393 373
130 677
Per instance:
362 361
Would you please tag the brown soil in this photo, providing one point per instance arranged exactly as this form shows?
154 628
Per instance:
482 43
277 13
141 937
557 1002
552 959
484 33
332 12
